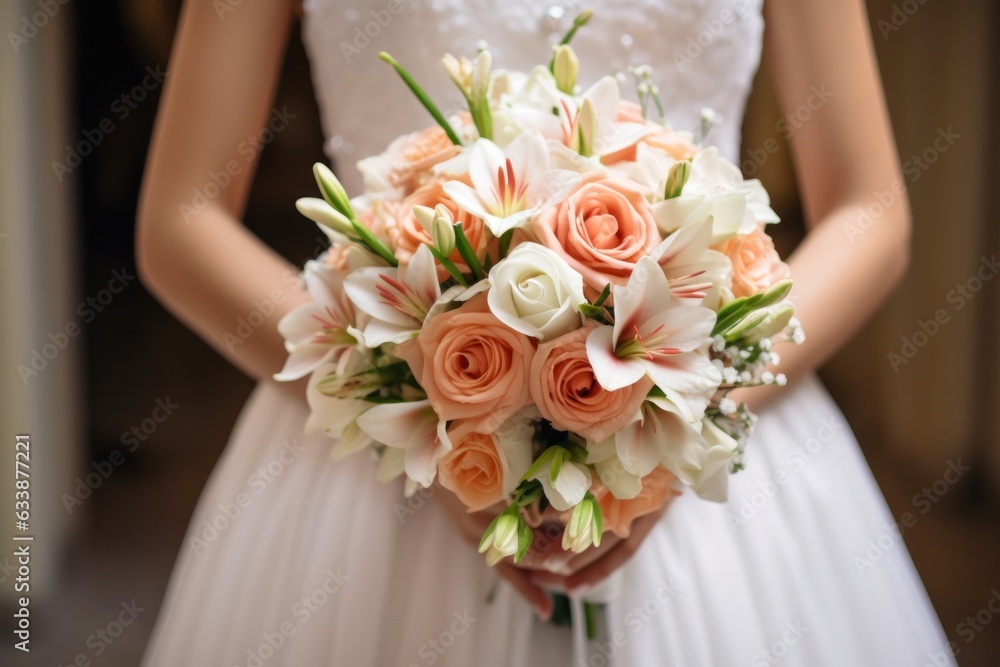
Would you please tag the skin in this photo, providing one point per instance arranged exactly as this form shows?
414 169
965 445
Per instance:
209 270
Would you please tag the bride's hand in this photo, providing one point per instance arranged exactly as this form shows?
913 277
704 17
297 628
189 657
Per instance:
471 526
546 565
581 572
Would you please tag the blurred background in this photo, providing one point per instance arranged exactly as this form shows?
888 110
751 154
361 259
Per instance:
128 411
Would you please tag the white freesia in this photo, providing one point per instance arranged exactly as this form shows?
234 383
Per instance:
510 186
397 299
536 292
716 190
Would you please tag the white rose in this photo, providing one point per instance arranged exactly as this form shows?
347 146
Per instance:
536 292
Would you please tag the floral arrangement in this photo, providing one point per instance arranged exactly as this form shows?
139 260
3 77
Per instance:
541 303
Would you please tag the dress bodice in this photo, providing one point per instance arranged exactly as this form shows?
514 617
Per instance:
704 53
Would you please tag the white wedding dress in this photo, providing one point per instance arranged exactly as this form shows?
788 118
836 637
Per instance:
292 559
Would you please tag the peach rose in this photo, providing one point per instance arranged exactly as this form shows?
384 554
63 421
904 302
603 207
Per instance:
471 366
602 229
412 166
406 235
474 470
567 393
756 264
677 145
657 491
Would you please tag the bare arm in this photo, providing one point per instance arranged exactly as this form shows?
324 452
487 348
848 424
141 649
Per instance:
844 155
204 265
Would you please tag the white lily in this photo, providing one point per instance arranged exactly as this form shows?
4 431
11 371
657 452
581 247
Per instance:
716 190
568 487
589 126
321 331
666 433
414 428
524 102
696 273
654 334
510 186
333 415
397 299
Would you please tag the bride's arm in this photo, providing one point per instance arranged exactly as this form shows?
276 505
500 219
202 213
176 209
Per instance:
208 269
844 157
204 265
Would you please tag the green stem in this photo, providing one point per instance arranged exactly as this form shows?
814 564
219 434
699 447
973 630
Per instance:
581 20
422 97
373 243
590 614
505 240
467 253
449 266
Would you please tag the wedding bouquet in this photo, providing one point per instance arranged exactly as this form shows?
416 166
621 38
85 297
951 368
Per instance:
541 302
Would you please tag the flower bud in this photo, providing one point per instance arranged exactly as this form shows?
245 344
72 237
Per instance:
677 178
588 124
460 72
439 224
320 212
333 192
777 319
585 526
566 68
480 83
501 538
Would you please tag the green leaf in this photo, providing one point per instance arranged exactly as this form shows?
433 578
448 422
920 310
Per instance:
539 463
605 293
525 536
593 312
423 98
561 455
527 492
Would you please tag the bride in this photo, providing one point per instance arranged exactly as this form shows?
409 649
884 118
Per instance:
292 559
